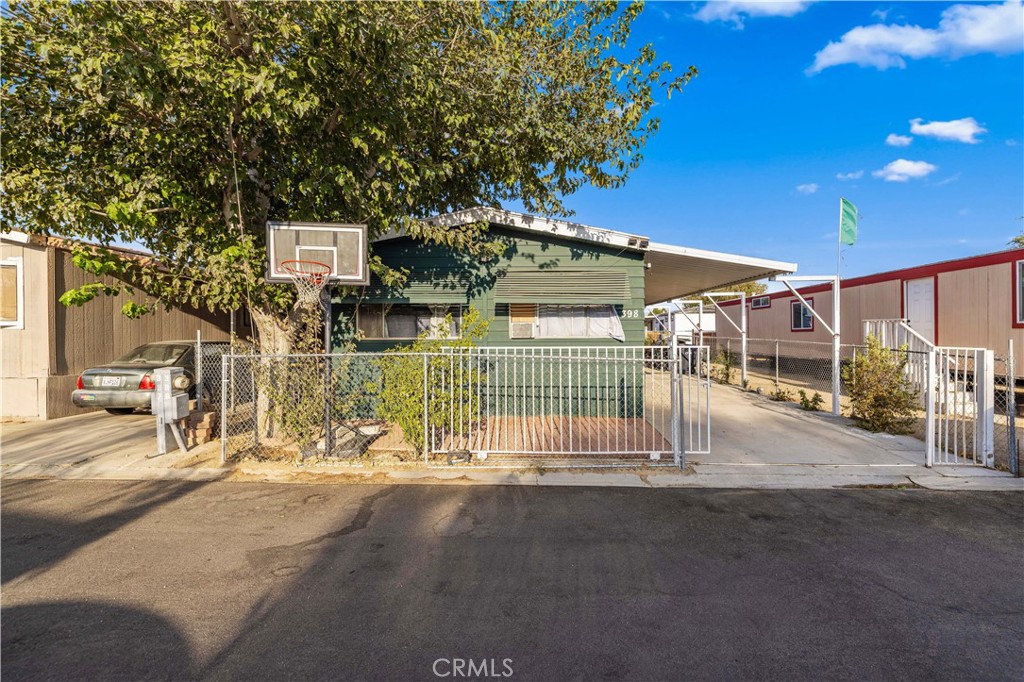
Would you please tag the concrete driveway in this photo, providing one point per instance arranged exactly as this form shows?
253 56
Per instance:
90 441
750 429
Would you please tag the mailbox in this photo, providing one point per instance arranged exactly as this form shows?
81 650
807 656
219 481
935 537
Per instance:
169 404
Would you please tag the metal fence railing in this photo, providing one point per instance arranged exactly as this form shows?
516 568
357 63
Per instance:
577 404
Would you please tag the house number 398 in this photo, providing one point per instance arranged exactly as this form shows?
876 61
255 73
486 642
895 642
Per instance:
631 314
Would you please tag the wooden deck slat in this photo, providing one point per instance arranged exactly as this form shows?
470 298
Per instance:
550 434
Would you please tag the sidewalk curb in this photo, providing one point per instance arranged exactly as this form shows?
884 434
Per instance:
807 478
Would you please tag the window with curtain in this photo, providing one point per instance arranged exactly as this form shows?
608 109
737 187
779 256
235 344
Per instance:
1019 288
407 321
579 322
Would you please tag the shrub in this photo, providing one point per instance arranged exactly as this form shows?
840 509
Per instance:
882 397
402 375
780 395
812 404
725 361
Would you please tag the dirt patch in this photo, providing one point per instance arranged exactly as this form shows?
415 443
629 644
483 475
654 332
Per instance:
909 485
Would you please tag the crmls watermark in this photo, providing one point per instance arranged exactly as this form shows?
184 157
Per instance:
467 667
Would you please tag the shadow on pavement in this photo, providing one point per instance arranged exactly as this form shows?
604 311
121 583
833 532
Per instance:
74 640
34 541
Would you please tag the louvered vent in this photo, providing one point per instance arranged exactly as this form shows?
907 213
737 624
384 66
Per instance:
563 285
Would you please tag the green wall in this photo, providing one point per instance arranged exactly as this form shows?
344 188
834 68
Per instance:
579 272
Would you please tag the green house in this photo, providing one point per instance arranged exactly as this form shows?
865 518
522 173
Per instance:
558 284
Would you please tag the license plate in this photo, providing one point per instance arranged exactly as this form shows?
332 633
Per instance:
110 381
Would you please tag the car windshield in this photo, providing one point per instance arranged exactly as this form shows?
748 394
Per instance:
159 353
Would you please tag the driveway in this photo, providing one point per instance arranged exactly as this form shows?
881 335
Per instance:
160 580
750 429
93 440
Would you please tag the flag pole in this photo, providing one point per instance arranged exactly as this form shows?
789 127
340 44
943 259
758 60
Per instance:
835 316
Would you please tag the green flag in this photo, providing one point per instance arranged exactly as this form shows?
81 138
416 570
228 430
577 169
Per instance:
847 222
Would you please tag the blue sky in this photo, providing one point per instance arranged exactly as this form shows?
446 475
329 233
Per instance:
792 95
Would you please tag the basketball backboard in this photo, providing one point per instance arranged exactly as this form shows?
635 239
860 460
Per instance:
343 248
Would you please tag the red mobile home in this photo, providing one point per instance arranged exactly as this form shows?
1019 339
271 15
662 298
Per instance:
970 302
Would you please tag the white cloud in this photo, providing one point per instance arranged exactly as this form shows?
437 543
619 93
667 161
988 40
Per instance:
895 140
951 179
1012 142
881 14
902 170
960 130
737 11
809 188
962 30
854 175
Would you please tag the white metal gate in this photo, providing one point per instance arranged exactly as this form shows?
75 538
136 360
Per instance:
960 410
571 403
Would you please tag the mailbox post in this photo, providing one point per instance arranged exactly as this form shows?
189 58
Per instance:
169 405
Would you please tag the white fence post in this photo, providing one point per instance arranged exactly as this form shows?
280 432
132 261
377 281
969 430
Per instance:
426 413
929 403
984 390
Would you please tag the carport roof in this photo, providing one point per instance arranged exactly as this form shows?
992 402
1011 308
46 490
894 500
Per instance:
672 272
679 271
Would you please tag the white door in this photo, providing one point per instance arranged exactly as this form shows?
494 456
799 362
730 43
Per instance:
919 306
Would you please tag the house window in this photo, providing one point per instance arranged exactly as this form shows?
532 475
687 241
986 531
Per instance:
407 321
761 302
1018 289
802 319
567 322
12 288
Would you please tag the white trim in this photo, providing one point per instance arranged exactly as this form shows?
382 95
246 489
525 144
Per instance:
532 223
19 266
15 236
703 254
1018 283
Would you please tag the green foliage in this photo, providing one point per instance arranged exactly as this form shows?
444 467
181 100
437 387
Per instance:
879 389
812 404
751 289
183 126
724 362
781 395
450 381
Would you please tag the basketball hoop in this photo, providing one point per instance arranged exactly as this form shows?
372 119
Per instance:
309 278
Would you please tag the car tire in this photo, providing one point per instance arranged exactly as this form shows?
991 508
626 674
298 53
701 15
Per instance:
120 410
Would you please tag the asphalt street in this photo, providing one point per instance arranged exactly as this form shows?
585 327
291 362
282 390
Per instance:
111 580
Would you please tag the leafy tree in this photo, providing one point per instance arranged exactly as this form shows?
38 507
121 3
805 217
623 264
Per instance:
751 289
183 126
1017 241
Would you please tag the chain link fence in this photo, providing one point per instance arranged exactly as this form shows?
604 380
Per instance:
781 369
1007 427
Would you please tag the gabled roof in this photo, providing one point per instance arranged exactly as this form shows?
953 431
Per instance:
672 271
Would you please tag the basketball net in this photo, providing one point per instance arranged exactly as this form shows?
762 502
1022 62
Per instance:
309 279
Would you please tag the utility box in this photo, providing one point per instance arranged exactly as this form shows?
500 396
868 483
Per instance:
168 402
169 405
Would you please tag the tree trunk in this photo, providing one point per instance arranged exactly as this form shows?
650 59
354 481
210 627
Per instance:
275 338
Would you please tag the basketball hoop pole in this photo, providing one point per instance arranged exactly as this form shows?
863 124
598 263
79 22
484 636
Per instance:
328 371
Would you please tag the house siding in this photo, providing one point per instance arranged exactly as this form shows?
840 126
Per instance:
441 274
974 306
41 362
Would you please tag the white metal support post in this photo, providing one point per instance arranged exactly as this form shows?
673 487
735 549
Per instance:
832 329
741 327
675 369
